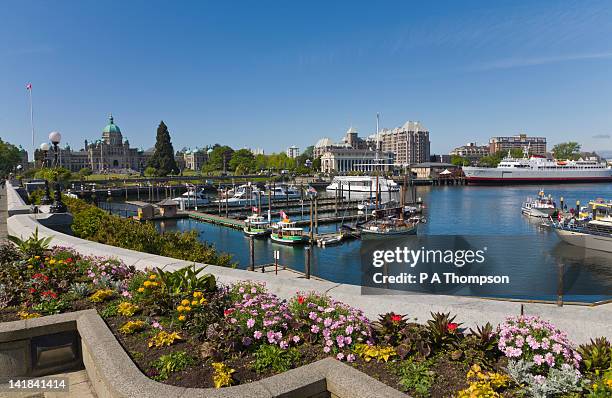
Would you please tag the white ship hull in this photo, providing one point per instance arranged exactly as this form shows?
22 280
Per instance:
483 175
588 241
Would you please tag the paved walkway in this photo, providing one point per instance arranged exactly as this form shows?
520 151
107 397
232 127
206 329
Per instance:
79 386
3 214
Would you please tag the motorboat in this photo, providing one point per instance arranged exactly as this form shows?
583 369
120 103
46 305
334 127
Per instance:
594 232
362 184
542 206
243 195
192 198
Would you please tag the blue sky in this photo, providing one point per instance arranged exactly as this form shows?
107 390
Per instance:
273 74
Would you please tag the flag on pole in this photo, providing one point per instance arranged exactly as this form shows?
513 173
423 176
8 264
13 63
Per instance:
284 215
255 209
29 86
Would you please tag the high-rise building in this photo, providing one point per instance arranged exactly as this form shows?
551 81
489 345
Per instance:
536 145
408 143
293 151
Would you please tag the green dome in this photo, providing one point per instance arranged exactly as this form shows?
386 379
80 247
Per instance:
111 127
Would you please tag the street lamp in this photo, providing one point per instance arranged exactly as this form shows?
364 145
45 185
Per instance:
46 199
58 206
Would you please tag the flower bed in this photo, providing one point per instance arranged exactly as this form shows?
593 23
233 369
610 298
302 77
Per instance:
184 329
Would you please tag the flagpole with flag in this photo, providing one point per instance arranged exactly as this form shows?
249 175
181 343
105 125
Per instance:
29 88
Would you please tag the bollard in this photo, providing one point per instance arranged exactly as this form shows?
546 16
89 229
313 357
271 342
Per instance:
252 254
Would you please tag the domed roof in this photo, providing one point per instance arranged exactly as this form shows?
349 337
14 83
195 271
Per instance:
111 127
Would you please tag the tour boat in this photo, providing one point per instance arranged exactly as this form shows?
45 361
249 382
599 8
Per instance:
256 226
192 198
593 233
541 206
537 169
287 233
361 184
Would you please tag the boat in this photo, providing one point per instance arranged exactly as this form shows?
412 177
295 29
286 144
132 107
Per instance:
243 195
192 198
541 206
361 184
287 233
335 239
538 169
392 227
592 233
256 226
277 192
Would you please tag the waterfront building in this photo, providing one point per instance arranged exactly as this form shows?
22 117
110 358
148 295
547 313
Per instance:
346 160
351 140
537 145
471 151
111 153
408 143
428 170
440 158
257 151
293 152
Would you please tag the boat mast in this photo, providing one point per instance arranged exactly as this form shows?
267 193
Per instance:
376 160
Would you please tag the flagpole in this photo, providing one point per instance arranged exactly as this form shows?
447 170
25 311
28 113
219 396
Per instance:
29 86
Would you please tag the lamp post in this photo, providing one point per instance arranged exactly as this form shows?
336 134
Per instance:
46 199
58 206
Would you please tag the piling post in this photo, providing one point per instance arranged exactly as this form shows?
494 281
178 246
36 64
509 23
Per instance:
560 285
252 254
226 204
307 265
316 215
311 222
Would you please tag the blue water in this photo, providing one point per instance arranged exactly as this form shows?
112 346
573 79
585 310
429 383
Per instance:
530 254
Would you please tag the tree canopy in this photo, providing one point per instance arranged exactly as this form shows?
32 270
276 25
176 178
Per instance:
163 157
567 151
242 160
10 156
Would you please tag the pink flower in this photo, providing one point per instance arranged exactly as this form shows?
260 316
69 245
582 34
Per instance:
350 358
340 356
283 344
314 329
538 359
250 323
296 339
326 349
257 334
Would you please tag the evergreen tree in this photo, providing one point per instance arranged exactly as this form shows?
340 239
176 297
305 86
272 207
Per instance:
163 157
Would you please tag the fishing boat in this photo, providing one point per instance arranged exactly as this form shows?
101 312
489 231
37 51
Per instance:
192 198
256 226
592 233
541 206
287 232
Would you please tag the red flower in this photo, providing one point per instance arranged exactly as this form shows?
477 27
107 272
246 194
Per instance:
32 290
396 318
49 293
69 260
452 327
228 312
301 299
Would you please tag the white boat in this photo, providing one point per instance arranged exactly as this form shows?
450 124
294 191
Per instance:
362 184
536 169
542 206
278 192
192 198
330 240
256 226
594 233
243 195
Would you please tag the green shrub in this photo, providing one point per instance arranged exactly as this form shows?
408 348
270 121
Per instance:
173 362
415 376
32 246
270 356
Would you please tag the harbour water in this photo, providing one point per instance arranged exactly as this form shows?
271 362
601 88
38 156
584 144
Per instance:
533 252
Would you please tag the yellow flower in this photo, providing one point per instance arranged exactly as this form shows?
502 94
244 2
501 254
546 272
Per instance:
185 302
182 318
187 309
152 276
101 295
52 261
197 294
37 257
28 315
154 284
164 338
180 308
141 289
203 300
194 302
127 309
30 266
131 327
147 284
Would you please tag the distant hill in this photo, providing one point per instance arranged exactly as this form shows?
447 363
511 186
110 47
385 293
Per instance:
605 154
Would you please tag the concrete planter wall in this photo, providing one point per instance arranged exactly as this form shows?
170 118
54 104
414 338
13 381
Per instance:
113 374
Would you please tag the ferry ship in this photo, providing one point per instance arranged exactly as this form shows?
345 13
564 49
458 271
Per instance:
538 169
